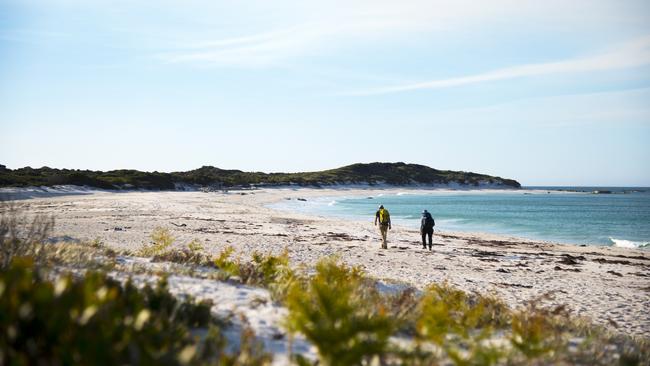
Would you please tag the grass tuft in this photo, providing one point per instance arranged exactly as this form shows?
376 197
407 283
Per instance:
161 240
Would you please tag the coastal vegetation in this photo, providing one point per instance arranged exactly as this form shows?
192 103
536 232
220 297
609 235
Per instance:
61 303
95 319
208 176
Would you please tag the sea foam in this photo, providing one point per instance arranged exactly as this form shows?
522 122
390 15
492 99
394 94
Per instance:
621 243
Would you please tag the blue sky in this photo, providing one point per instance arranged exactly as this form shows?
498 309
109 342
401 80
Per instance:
548 93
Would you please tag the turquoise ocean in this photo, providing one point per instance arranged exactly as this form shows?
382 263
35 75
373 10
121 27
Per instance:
573 215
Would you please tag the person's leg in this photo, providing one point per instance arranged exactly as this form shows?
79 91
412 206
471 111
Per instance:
430 235
386 237
384 230
424 242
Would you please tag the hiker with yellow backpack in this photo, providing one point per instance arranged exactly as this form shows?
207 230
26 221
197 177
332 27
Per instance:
383 217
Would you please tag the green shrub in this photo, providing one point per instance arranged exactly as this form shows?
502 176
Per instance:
460 324
270 267
224 263
82 255
270 271
182 256
331 311
96 321
537 331
195 246
97 243
161 241
279 276
446 310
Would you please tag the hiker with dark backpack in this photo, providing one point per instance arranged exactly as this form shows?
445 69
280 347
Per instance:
426 229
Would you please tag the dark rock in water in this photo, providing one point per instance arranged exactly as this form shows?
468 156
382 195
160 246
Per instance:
301 199
370 198
602 192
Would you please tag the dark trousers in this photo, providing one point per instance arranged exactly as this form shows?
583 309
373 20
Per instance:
428 233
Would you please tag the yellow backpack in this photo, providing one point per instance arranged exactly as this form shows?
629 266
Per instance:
384 216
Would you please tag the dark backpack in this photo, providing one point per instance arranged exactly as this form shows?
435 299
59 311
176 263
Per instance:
429 223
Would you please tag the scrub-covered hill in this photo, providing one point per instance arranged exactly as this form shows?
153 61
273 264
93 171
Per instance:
395 174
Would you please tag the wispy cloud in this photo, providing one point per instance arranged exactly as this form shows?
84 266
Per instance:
275 47
277 35
631 54
255 50
32 35
329 25
623 107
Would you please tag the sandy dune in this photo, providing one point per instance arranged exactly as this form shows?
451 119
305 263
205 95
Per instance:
609 285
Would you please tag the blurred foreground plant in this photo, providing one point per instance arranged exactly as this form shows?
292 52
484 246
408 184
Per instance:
538 331
95 320
333 313
461 325
21 235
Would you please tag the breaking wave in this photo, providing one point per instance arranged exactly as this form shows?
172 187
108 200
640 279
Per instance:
621 243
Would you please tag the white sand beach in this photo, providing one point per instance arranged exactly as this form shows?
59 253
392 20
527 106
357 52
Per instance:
609 285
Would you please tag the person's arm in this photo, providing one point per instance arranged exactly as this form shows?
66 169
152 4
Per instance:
376 217
389 223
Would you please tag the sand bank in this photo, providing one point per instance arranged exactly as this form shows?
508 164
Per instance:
609 285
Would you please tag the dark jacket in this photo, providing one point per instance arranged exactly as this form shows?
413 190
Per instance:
427 223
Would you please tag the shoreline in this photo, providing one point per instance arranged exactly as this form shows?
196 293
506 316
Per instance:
376 195
347 191
610 285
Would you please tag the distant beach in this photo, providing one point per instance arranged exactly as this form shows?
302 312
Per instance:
605 216
606 284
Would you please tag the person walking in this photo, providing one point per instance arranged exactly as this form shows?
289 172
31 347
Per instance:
426 229
383 217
